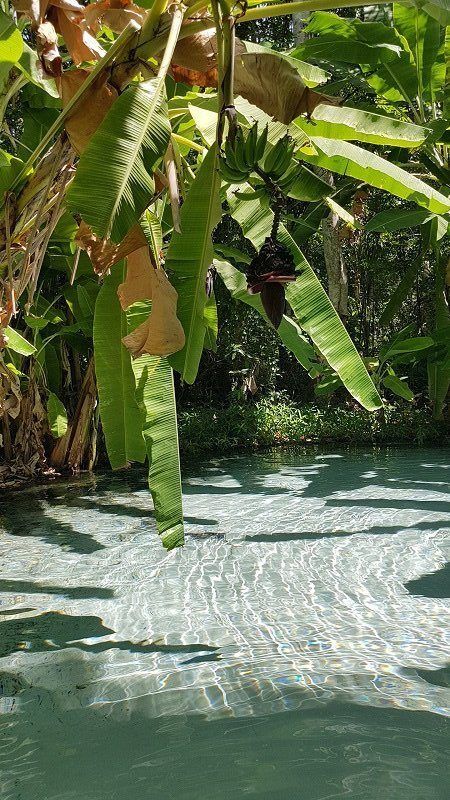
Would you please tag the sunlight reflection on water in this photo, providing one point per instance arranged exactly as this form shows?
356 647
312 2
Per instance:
288 596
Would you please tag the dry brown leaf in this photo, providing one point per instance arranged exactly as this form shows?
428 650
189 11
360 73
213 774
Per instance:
10 395
80 43
192 78
138 284
264 79
162 333
47 48
34 9
88 115
104 253
272 84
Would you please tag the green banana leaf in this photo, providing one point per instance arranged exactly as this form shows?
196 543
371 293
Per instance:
11 46
16 342
398 219
189 257
354 124
155 396
289 332
311 305
113 183
349 159
120 415
348 40
423 34
57 416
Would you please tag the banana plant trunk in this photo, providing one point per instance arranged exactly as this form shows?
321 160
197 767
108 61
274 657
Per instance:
335 265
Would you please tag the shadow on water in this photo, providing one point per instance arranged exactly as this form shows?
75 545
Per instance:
74 592
436 584
54 631
108 742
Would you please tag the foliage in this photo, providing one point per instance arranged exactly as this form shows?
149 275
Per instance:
273 423
102 162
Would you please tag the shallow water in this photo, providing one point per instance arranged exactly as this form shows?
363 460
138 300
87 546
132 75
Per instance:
297 647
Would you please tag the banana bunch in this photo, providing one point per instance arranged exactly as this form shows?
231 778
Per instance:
242 156
247 154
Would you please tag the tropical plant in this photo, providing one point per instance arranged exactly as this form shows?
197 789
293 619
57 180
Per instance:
141 128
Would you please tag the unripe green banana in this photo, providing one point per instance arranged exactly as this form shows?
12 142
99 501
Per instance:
232 175
230 156
239 151
250 146
261 143
247 196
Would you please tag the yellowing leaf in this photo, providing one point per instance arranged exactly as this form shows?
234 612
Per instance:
88 115
138 284
104 253
161 334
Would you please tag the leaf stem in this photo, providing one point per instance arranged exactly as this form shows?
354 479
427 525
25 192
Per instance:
284 9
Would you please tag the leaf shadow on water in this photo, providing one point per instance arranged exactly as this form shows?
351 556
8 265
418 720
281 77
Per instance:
52 631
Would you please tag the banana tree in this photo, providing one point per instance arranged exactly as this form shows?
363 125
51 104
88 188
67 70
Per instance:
145 125
404 67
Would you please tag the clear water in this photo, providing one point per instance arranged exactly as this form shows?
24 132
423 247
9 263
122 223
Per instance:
297 647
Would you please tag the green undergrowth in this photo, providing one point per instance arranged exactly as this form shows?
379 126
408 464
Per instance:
264 424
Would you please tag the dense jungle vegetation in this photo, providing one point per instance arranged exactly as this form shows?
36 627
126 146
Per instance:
242 209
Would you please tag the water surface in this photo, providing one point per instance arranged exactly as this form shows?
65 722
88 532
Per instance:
297 647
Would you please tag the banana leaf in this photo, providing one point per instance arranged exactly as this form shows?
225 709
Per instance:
189 257
155 396
355 124
113 183
311 305
348 159
120 415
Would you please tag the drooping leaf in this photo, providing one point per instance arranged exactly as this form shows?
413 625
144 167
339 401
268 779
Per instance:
156 396
312 307
398 387
161 334
16 342
354 124
348 40
120 415
349 159
272 83
90 113
134 135
311 75
57 416
189 257
138 282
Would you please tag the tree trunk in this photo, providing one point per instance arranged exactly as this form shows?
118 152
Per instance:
334 262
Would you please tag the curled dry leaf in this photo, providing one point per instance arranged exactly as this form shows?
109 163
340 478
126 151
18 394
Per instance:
34 9
264 79
138 283
10 395
104 253
114 14
162 333
88 115
272 84
72 26
47 48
